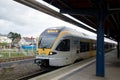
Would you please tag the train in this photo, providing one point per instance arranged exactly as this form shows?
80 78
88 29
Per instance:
61 46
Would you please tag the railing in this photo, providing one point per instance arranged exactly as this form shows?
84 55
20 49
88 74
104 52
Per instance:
7 54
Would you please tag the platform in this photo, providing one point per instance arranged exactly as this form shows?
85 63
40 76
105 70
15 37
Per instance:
86 70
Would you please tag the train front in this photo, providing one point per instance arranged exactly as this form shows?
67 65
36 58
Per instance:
46 42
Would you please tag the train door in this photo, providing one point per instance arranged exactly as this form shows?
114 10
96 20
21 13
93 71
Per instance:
64 50
84 49
75 48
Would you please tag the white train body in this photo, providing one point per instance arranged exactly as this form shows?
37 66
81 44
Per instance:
61 46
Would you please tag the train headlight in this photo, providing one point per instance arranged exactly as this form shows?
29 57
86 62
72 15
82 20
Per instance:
52 53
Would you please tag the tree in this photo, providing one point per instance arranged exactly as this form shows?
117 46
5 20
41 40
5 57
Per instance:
15 37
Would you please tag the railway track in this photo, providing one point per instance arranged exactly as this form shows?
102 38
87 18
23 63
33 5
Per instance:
8 64
43 71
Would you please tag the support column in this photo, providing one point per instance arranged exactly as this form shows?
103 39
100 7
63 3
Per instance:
118 49
100 69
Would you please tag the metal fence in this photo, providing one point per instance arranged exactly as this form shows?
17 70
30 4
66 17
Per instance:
16 52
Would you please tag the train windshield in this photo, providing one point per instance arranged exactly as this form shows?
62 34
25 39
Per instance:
47 39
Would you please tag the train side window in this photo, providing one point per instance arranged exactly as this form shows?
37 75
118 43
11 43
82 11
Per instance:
64 45
84 46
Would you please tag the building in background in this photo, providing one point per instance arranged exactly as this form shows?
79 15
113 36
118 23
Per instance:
27 41
5 42
5 39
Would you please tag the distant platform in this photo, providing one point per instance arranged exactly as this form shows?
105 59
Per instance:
86 70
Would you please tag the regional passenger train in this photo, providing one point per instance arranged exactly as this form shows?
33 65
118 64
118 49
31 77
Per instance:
60 46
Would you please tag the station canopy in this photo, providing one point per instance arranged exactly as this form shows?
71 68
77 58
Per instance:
86 11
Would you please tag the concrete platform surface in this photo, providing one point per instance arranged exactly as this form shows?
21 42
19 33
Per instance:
86 70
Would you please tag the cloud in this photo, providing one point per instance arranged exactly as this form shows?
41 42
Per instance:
19 18
25 20
22 19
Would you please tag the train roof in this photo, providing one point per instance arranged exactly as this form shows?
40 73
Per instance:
61 28
79 34
72 31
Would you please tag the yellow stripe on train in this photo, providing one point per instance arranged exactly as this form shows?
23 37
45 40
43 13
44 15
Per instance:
44 51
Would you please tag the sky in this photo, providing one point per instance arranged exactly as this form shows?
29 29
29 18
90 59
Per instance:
16 17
